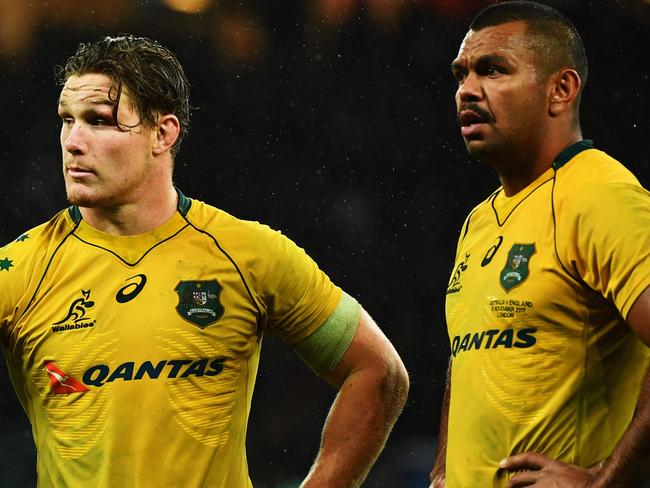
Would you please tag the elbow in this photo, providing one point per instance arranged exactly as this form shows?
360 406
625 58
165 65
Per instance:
395 385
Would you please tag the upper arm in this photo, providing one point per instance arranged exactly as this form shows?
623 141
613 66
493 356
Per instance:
296 296
13 273
22 265
370 351
639 317
605 242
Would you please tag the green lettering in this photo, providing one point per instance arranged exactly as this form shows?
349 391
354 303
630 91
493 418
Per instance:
176 366
150 370
477 340
526 338
464 343
216 367
96 375
490 334
124 371
197 368
454 345
504 339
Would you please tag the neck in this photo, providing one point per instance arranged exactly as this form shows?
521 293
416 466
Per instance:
521 170
149 211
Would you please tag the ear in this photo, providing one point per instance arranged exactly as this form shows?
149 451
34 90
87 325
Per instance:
167 131
564 87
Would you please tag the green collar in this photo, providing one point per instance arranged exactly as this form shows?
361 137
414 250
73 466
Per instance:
75 214
183 206
184 203
574 149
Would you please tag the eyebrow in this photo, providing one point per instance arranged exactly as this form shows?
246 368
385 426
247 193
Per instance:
492 58
456 65
480 61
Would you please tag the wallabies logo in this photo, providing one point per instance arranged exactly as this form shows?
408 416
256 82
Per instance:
198 302
454 284
77 310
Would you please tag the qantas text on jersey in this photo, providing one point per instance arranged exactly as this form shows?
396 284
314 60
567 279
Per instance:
494 338
100 374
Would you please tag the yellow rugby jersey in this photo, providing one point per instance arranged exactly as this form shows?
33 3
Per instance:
135 357
542 359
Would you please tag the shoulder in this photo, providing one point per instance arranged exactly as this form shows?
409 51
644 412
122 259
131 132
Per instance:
35 243
23 260
595 180
257 249
593 169
229 230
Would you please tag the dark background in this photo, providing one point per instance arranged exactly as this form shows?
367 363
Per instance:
332 120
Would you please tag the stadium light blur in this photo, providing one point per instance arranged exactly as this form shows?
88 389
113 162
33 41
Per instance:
189 6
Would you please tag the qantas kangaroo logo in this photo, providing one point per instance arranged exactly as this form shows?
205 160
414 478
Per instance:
62 383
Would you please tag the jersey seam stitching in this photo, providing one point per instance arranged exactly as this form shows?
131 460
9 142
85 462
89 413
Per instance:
135 263
501 224
45 271
577 279
241 275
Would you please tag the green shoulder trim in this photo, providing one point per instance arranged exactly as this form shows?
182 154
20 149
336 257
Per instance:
570 152
323 349
184 203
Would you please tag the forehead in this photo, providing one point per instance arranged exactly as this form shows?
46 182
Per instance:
507 40
91 88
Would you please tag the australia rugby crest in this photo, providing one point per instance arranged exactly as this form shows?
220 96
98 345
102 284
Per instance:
198 302
516 269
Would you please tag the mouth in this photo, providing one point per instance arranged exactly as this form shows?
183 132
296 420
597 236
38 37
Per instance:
78 172
472 121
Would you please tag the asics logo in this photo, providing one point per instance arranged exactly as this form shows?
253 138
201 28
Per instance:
131 290
491 252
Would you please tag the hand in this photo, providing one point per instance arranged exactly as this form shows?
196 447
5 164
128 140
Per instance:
543 472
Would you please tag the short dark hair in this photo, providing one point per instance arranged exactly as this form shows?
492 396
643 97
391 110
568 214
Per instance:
562 45
155 79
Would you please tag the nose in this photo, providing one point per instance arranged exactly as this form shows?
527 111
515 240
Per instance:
72 139
470 89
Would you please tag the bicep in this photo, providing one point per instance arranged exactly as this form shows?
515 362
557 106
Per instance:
369 351
639 317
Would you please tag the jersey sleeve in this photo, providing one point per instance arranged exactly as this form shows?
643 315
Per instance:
297 295
15 268
604 237
6 265
22 263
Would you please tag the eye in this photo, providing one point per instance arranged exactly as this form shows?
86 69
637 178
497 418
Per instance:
67 120
99 121
493 71
459 76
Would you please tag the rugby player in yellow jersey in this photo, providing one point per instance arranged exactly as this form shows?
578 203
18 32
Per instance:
548 306
132 321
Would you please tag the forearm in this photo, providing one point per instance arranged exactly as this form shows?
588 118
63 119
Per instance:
629 464
362 416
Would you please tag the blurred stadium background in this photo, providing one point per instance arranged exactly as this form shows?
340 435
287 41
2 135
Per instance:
332 120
